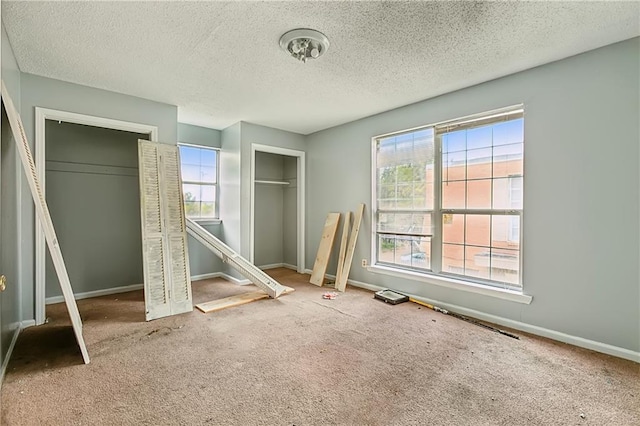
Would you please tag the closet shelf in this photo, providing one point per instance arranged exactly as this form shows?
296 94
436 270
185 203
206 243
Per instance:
272 182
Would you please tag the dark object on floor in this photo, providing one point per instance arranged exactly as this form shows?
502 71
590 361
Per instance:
463 318
389 296
488 327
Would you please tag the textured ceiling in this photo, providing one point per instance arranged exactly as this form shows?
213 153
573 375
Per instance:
220 62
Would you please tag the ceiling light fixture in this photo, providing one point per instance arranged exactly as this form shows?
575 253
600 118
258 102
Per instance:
304 43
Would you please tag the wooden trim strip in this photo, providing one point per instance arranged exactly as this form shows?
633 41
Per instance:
324 250
341 284
343 244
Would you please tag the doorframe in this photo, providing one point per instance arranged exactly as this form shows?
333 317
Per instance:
43 114
300 195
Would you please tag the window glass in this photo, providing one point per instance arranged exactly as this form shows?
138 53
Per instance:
464 204
199 171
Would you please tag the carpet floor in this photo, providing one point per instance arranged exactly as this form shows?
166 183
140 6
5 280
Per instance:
303 360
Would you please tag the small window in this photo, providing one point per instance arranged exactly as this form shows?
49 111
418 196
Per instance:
449 198
199 168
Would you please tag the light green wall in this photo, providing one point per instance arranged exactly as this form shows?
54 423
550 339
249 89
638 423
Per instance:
201 260
290 212
261 135
235 176
94 200
196 135
230 205
269 206
581 188
10 169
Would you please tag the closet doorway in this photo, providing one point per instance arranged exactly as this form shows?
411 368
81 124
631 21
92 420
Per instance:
277 207
64 161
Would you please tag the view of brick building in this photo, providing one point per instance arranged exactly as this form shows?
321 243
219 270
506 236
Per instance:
481 192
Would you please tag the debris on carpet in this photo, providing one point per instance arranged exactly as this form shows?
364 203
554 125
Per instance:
329 295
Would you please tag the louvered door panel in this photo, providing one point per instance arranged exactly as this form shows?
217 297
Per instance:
175 230
156 291
44 217
166 266
172 190
150 188
181 284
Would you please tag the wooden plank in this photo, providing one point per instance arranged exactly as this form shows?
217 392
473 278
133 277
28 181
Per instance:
42 211
343 244
228 302
351 248
237 300
324 250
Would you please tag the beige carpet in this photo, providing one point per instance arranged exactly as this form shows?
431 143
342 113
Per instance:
301 360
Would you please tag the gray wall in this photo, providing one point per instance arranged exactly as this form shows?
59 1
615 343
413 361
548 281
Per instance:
10 168
581 229
201 260
255 134
196 135
235 176
59 95
230 203
269 205
290 212
94 200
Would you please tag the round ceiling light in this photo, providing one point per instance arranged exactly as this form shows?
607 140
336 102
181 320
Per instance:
304 43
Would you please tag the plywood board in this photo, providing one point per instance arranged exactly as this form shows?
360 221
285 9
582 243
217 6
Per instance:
324 250
341 284
239 299
43 215
343 244
228 302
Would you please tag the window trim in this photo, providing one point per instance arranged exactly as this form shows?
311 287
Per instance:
458 282
204 220
453 282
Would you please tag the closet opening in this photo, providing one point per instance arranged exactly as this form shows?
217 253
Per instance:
277 208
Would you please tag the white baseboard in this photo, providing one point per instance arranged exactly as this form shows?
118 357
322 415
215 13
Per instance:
234 279
95 293
517 325
538 331
271 266
220 275
27 324
278 265
126 288
5 361
206 276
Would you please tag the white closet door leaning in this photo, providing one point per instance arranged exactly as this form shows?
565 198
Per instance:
42 211
167 284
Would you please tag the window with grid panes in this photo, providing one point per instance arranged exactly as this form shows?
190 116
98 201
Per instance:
449 199
199 169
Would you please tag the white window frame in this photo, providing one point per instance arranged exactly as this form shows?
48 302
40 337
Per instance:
434 275
205 220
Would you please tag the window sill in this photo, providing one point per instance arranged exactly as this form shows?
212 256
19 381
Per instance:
467 286
205 222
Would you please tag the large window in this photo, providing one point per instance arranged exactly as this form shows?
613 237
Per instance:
449 199
199 166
